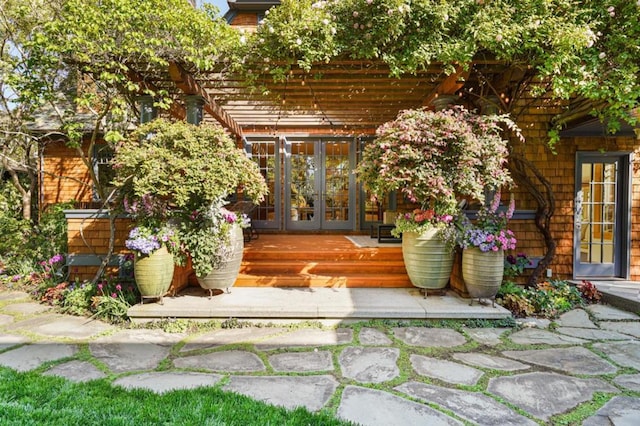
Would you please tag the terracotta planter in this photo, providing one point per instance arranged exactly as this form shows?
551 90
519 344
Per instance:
482 272
224 277
427 259
153 273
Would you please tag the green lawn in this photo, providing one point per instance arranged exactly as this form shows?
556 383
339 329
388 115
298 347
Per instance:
32 399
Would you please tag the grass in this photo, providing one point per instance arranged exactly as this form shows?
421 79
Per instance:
32 399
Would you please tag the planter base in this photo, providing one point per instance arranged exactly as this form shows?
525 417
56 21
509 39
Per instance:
153 274
224 277
482 273
427 259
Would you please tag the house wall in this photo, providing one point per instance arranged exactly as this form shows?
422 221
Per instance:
88 234
64 176
247 21
559 169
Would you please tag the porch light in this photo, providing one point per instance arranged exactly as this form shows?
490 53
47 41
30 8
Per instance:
147 110
194 104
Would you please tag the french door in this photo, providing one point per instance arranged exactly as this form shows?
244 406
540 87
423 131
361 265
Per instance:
319 184
602 215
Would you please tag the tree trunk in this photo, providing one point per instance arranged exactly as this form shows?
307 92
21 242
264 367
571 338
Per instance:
112 239
530 178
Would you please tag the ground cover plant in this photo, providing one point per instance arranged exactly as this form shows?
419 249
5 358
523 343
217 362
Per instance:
548 299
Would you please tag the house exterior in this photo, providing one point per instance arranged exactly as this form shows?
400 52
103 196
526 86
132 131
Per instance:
307 157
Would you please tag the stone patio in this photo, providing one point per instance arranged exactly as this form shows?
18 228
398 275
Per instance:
356 373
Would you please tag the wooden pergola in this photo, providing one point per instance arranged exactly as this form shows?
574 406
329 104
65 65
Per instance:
345 96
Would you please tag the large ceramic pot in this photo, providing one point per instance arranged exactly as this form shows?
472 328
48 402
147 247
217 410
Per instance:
427 259
482 272
153 273
224 276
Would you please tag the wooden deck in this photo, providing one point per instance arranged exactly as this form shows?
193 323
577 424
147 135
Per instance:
320 260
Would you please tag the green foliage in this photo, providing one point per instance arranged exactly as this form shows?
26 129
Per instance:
192 166
14 229
24 246
105 38
514 265
587 49
77 299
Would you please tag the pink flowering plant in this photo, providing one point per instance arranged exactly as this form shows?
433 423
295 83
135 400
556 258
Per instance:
490 232
434 157
421 220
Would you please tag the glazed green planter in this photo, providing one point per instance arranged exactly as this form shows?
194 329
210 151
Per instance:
482 272
224 277
153 273
427 259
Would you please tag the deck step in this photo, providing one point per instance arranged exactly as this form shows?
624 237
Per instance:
310 280
320 267
362 254
320 261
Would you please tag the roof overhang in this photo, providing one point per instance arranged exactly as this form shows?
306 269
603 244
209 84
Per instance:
252 5
594 128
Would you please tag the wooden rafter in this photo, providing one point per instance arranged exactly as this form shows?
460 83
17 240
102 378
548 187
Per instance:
449 86
176 109
188 84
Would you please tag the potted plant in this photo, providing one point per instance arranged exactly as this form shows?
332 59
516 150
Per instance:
432 158
483 244
153 247
427 241
154 243
215 241
192 170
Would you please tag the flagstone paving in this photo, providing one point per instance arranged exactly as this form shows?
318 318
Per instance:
383 375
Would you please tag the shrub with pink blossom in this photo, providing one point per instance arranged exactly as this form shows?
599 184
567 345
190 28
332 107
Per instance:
434 157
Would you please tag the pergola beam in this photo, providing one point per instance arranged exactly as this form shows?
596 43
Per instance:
449 86
188 84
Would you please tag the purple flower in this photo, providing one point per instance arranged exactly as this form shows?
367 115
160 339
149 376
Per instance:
118 287
55 259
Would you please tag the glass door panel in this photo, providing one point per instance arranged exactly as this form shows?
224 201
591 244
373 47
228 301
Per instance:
337 185
266 154
303 185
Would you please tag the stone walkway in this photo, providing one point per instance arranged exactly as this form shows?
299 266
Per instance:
372 376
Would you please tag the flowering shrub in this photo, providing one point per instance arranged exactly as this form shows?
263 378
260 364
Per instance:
193 169
434 157
144 240
490 232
